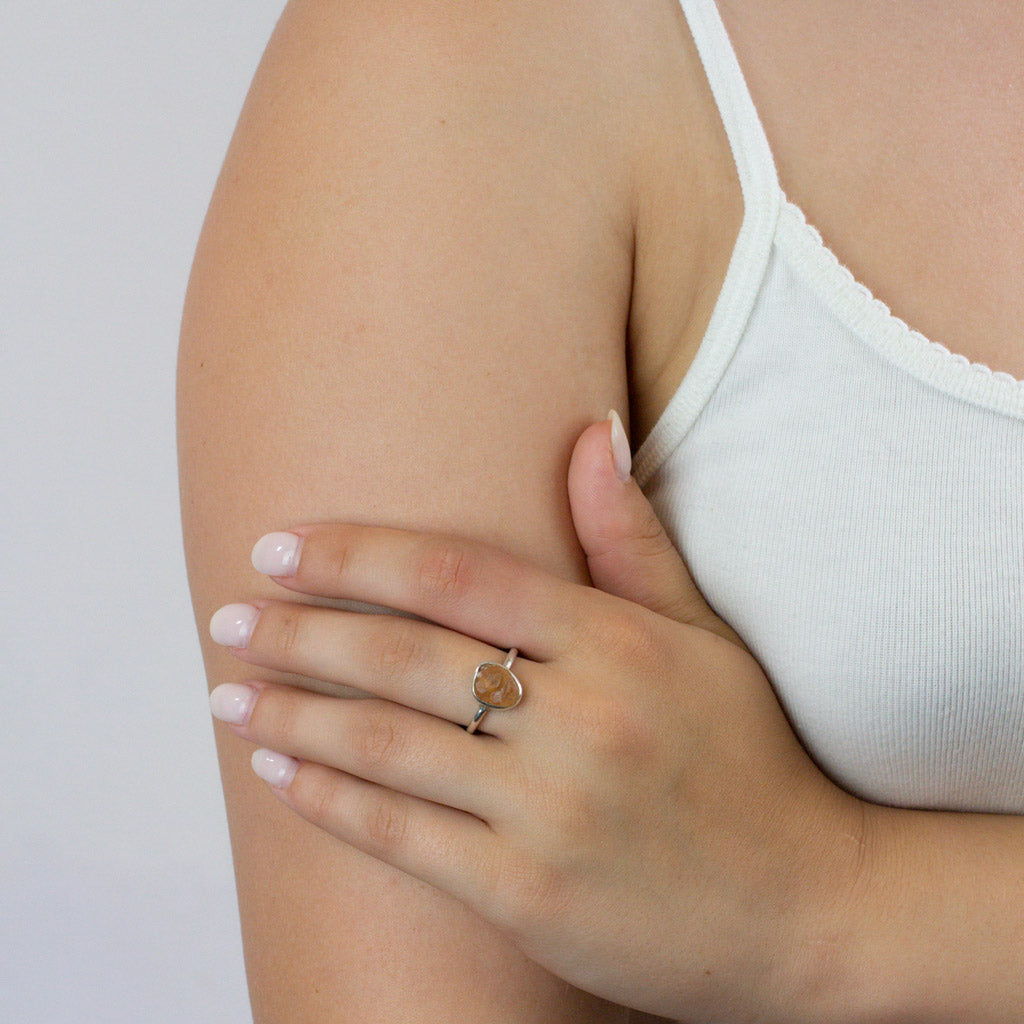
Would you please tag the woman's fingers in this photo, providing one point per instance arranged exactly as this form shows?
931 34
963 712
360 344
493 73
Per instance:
376 740
629 554
446 848
418 664
463 584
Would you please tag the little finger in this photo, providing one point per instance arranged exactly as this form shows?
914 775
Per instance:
447 848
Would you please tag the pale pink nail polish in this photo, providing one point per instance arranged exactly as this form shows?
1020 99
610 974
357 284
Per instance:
277 554
233 624
232 702
621 457
277 769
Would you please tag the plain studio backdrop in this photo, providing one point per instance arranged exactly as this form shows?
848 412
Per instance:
117 897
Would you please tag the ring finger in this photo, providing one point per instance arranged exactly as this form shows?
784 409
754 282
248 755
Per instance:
407 661
375 740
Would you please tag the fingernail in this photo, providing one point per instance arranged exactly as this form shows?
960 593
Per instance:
232 702
277 769
621 458
277 554
233 624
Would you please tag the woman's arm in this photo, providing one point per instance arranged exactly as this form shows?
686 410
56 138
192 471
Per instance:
410 294
913 890
933 930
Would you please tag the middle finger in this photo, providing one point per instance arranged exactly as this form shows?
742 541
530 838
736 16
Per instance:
404 660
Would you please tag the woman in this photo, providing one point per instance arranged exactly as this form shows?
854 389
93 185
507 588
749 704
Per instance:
443 241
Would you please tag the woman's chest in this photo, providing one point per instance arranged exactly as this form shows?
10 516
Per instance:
847 495
861 529
912 176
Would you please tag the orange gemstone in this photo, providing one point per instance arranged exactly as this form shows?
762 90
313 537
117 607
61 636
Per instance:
495 686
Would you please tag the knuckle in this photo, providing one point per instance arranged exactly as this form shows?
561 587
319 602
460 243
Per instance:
285 636
338 562
319 795
398 650
378 744
621 732
534 883
531 893
387 824
650 536
585 615
276 717
634 638
445 571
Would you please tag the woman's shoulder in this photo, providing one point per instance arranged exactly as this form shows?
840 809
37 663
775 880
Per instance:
596 110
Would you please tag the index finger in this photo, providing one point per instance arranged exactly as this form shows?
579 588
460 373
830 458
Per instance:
464 584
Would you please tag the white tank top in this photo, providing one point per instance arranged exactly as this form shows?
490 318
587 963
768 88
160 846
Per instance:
849 496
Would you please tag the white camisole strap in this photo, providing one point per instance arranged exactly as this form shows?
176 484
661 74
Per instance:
762 198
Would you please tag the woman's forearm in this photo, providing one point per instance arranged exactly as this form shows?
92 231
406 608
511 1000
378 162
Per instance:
933 929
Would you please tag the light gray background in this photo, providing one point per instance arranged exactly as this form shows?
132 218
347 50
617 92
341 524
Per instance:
117 899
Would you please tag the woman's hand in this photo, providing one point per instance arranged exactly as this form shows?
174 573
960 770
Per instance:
644 823
628 552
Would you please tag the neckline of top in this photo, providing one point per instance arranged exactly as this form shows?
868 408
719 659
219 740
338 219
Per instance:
875 323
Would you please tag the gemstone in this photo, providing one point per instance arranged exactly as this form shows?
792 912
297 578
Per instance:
495 686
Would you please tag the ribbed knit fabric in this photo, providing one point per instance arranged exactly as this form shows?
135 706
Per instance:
849 496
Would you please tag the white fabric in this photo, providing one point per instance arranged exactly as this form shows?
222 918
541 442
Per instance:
849 496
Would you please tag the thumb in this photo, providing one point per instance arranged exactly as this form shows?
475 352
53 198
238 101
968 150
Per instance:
628 552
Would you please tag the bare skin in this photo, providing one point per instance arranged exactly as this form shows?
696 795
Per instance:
274 334
896 129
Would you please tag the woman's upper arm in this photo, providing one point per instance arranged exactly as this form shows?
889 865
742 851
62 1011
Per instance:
409 297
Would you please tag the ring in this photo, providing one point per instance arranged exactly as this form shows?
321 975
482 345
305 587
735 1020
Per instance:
495 686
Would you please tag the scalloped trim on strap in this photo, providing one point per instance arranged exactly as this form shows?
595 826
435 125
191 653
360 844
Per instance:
875 324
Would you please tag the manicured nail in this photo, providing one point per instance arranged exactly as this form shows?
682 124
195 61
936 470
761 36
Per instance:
232 702
277 769
233 624
621 458
277 554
